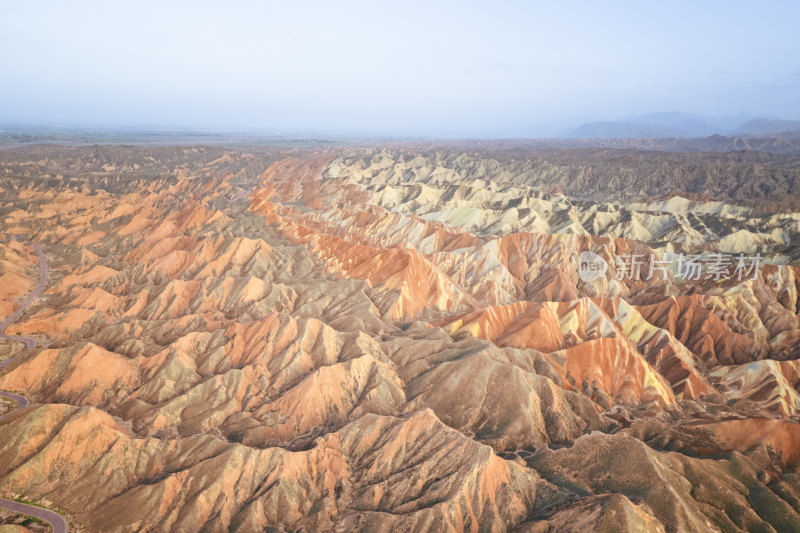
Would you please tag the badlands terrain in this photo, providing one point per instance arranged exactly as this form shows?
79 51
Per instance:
400 339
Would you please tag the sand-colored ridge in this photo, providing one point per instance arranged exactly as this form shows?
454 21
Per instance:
369 339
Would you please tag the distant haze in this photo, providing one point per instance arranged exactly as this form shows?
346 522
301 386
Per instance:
458 69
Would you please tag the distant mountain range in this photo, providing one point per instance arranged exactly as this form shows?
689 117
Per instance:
683 125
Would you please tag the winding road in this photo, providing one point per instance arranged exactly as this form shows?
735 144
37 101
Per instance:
55 520
30 341
22 401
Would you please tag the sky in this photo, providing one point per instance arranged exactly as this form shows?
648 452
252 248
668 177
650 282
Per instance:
408 68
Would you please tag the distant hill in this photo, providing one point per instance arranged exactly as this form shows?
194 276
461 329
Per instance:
762 126
685 124
682 125
656 126
624 130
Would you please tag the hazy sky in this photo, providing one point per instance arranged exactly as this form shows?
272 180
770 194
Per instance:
401 67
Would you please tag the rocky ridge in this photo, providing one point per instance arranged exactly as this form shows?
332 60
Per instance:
327 340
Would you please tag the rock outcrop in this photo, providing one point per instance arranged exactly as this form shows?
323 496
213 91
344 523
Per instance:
375 340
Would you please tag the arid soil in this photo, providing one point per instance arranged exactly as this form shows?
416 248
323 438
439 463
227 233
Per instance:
401 339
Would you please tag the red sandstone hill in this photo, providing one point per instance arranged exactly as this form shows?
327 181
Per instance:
372 340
